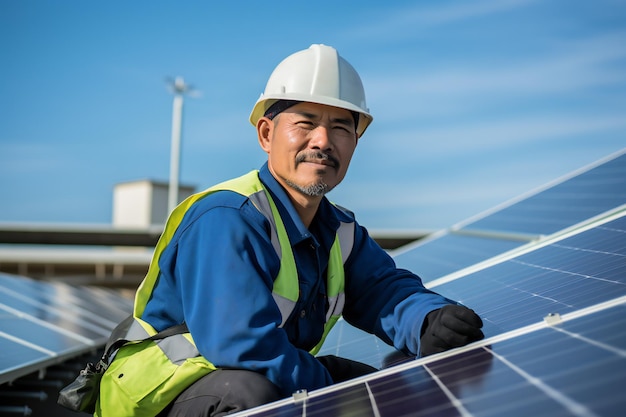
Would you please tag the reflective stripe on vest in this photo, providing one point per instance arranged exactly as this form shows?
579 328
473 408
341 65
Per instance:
177 348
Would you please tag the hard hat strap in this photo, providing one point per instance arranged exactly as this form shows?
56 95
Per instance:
279 107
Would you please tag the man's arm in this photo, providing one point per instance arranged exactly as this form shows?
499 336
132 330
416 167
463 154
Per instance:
394 304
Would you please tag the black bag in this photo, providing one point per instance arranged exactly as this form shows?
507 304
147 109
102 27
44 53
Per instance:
82 393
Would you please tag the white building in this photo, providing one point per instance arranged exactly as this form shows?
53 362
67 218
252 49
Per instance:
143 203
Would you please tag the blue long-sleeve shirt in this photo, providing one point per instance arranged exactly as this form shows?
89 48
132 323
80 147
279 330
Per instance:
218 271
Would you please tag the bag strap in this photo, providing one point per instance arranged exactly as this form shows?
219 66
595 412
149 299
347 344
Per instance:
116 342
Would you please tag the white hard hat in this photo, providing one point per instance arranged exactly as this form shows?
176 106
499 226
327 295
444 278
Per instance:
316 75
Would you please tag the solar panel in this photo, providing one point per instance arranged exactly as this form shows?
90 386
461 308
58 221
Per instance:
555 326
579 197
349 342
574 368
563 276
450 252
45 323
86 305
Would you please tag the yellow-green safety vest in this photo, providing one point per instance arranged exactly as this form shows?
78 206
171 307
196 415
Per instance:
146 376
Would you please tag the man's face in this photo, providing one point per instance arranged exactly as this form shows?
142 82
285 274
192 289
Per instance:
309 147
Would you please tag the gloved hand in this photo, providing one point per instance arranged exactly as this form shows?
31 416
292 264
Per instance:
342 369
449 327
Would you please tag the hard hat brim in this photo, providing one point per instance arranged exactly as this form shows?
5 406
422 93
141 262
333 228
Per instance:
265 102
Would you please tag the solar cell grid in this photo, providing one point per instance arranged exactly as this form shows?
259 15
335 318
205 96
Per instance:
53 338
25 343
576 368
43 323
603 327
63 317
96 305
450 253
577 199
349 342
18 353
570 274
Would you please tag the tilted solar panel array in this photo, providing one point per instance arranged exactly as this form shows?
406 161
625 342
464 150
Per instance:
576 198
43 324
573 369
549 281
571 274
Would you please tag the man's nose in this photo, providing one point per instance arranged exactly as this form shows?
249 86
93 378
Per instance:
320 138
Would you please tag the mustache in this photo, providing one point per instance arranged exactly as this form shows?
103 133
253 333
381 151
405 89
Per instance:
313 156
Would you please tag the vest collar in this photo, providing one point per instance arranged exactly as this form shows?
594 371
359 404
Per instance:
296 230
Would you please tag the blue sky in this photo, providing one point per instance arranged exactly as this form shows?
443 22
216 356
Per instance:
474 103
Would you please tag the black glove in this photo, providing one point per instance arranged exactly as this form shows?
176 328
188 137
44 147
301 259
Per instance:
342 369
449 327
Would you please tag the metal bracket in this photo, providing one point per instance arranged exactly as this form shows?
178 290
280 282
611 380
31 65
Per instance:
552 319
300 395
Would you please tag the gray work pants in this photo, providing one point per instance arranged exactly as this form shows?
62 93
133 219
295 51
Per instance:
227 391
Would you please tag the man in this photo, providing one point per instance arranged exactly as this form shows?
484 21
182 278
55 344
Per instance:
260 268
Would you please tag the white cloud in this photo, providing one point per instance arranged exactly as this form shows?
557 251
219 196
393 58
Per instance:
472 138
393 24
458 11
580 65
480 107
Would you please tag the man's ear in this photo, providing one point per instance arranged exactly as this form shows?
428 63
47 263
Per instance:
264 128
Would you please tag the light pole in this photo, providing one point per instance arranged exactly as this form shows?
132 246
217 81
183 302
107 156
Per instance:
179 89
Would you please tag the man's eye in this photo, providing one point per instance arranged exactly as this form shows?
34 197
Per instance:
342 128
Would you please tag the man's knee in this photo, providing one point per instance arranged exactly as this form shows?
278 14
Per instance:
224 391
255 388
